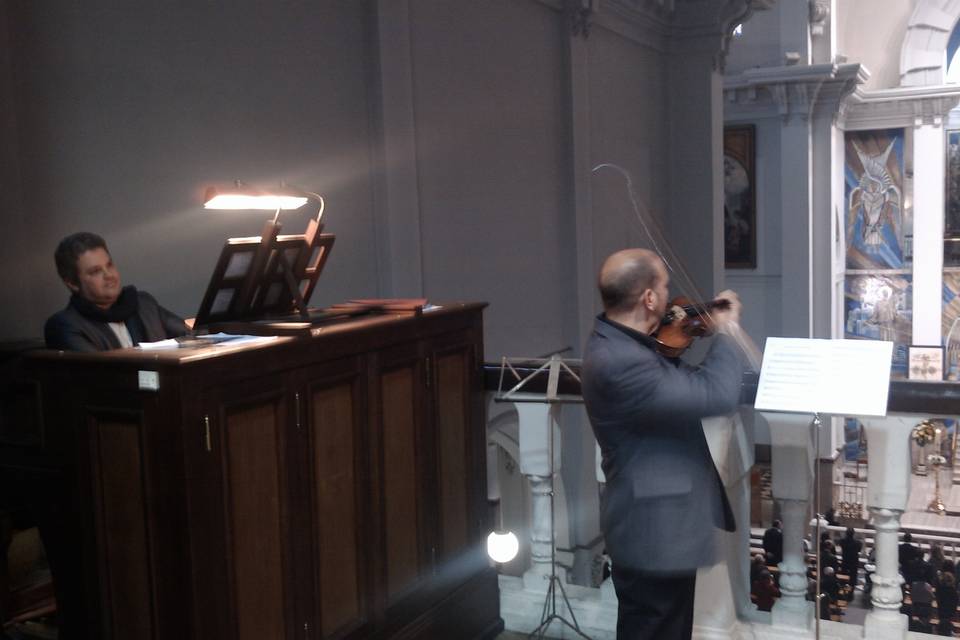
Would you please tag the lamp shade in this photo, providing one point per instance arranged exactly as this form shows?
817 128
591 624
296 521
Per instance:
502 546
242 198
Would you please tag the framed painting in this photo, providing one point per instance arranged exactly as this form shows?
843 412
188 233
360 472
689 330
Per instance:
739 197
877 223
926 363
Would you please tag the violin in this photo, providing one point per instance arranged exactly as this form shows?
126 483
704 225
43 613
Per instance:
683 323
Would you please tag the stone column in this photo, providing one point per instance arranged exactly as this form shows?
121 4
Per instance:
793 609
792 467
886 595
535 577
888 487
536 420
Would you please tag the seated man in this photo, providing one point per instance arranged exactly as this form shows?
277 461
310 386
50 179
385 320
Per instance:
100 315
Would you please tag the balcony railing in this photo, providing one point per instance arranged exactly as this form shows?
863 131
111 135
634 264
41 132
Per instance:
723 608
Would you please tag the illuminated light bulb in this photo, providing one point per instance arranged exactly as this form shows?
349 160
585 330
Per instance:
502 546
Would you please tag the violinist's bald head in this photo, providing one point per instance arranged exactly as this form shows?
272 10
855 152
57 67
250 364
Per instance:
627 274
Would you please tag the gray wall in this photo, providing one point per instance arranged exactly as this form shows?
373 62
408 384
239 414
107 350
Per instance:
119 117
125 113
452 140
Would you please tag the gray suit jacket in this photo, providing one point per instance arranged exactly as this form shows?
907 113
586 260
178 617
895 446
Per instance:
663 496
68 330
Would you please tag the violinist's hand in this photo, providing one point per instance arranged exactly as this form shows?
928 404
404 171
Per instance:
725 318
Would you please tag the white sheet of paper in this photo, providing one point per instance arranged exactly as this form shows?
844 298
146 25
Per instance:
160 344
840 377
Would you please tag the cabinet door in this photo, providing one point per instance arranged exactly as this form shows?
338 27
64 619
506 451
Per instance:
249 427
335 489
403 459
456 426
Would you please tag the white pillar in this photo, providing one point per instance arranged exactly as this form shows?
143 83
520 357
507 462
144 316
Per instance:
536 421
888 487
792 469
928 206
535 578
885 620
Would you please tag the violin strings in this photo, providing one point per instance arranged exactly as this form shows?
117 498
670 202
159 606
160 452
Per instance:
680 277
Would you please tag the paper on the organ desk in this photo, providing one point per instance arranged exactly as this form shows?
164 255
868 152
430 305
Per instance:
841 377
159 344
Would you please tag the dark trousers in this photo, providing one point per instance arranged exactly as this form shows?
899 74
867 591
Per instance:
654 606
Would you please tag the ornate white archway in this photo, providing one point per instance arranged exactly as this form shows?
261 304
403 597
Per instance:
922 59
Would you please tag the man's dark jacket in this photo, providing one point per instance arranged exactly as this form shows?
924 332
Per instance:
70 330
663 496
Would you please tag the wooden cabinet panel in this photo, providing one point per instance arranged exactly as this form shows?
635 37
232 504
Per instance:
452 421
118 482
336 485
253 439
327 486
398 391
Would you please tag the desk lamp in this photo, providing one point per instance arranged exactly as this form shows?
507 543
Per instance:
252 273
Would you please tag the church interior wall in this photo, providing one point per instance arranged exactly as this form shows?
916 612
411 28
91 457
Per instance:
491 141
760 288
125 114
626 129
122 117
759 44
873 38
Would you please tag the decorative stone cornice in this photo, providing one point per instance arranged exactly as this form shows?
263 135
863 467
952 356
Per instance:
804 91
677 27
900 107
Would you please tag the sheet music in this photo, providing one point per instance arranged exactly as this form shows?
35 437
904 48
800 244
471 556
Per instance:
842 377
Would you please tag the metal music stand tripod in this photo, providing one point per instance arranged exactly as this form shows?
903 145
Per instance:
553 367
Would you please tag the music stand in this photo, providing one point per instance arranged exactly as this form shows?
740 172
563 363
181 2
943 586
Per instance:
263 275
553 367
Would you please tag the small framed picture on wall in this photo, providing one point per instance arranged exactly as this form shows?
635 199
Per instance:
925 363
739 198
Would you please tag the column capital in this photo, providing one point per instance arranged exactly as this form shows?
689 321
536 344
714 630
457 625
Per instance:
884 519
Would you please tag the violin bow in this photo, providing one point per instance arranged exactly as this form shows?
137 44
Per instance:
674 265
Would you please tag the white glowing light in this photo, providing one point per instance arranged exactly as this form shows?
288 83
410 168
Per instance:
502 547
254 202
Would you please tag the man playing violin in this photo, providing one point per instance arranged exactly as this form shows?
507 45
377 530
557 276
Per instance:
663 494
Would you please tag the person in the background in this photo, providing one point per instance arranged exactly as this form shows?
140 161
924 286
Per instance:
773 543
102 315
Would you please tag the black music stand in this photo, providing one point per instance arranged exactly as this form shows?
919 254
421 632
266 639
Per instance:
553 367
266 275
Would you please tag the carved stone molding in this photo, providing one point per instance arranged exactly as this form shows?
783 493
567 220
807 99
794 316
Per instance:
819 17
804 91
580 14
900 107
678 28
922 52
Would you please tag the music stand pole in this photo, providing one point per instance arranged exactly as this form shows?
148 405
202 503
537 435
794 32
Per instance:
816 513
550 602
